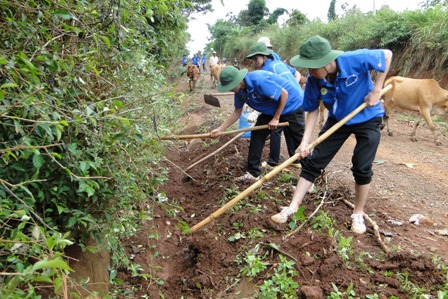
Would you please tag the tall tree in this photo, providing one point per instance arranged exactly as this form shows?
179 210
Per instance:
197 6
273 17
255 13
331 15
431 3
296 18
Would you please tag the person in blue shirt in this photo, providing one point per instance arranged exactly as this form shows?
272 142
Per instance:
184 60
267 42
277 100
204 62
264 60
343 81
196 61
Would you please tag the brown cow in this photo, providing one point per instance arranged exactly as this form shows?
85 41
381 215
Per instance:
215 71
423 95
193 74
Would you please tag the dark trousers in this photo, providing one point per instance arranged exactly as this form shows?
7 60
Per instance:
293 136
367 136
275 140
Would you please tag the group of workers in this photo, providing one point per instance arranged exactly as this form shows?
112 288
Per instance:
342 80
199 60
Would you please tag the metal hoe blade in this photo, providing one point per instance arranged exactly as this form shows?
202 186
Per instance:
211 100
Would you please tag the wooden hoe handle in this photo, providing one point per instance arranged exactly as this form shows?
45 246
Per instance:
207 135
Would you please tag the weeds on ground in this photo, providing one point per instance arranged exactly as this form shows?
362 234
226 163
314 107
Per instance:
281 282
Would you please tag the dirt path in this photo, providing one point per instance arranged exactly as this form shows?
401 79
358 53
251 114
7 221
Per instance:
410 178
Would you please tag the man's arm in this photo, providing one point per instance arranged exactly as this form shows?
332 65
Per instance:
310 121
278 112
233 117
374 96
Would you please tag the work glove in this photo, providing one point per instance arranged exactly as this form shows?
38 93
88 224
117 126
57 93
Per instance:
252 117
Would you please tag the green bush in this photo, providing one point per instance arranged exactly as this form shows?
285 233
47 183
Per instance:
83 97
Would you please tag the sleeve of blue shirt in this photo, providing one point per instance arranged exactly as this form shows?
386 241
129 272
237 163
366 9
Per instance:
312 94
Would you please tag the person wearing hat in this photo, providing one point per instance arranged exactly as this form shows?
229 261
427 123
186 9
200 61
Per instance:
214 59
267 42
264 60
343 82
277 100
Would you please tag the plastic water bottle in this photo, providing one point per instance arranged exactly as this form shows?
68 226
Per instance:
243 123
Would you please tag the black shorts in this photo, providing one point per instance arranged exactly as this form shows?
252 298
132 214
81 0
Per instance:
367 136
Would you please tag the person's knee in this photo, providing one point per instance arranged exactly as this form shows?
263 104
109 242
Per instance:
308 173
360 180
362 174
308 176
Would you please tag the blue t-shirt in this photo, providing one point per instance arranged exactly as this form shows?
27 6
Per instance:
204 59
280 68
184 60
353 82
263 93
195 60
290 68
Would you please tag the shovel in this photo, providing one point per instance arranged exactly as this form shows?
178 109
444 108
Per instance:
280 167
211 99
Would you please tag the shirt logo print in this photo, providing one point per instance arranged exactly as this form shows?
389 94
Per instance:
351 80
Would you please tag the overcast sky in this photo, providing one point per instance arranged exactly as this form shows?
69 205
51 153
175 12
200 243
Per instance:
311 8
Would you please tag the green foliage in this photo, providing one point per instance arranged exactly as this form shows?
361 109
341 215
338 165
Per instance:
322 222
331 15
337 294
343 246
287 177
296 19
428 41
82 98
281 282
273 17
256 11
297 218
415 37
254 265
256 232
431 3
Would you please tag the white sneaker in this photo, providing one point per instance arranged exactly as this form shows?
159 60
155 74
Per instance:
282 217
265 164
282 208
358 225
247 177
